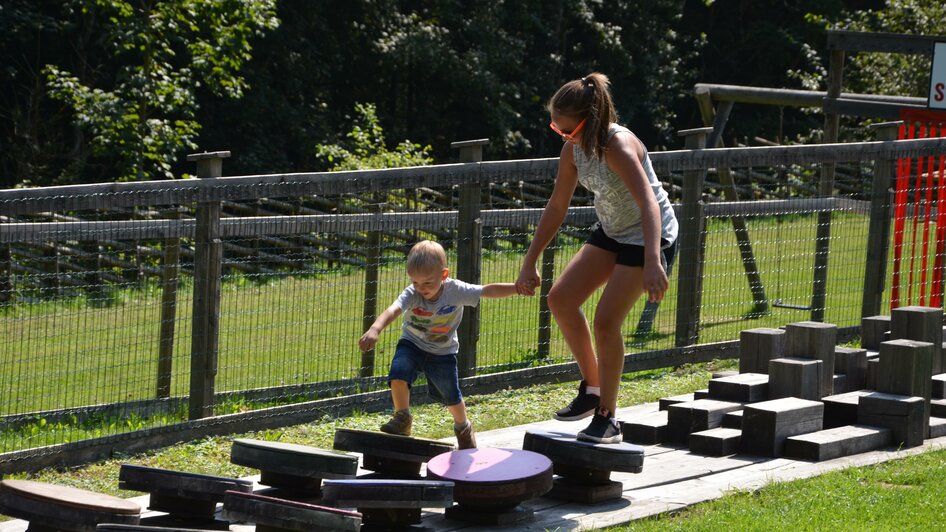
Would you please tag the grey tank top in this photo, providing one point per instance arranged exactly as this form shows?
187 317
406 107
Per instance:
618 212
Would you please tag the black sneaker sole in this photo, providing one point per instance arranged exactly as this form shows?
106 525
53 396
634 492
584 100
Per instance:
575 417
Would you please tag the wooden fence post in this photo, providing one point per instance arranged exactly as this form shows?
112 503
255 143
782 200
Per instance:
819 296
545 314
469 253
370 309
878 232
170 272
208 259
691 243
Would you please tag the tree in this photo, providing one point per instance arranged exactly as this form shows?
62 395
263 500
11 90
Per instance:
367 148
138 106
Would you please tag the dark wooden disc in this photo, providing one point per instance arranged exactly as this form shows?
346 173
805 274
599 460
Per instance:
70 497
293 459
291 515
564 448
383 445
178 483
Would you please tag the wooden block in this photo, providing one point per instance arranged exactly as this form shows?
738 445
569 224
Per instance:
852 363
840 382
795 377
287 515
181 494
399 456
922 324
816 340
109 527
724 373
715 442
937 427
381 493
663 403
870 377
757 347
647 429
292 466
733 420
701 394
53 507
563 449
902 414
491 477
766 425
905 369
702 414
837 442
740 388
938 408
872 331
938 386
841 409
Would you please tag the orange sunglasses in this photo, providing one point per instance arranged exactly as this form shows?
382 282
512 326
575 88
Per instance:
570 136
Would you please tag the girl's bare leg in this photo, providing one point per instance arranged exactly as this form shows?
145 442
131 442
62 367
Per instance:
587 271
624 288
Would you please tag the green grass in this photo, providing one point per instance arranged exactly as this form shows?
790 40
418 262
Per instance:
904 494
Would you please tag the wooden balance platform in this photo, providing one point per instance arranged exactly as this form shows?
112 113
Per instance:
672 478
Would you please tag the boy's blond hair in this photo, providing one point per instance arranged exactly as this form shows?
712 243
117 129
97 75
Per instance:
426 256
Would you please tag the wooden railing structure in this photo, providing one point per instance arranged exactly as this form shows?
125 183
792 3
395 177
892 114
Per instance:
208 230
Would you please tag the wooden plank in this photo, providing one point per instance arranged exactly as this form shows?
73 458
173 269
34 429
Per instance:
898 43
790 97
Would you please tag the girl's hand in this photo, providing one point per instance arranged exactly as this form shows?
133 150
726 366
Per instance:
655 281
528 280
368 340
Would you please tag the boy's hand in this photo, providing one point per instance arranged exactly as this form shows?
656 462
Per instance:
368 340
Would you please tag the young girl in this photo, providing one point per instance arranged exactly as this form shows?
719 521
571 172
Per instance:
627 252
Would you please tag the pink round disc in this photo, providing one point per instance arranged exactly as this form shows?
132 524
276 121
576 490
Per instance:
488 465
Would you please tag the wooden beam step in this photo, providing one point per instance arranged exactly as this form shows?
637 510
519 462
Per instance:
837 442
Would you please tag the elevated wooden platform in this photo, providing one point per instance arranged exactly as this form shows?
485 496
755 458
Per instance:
672 478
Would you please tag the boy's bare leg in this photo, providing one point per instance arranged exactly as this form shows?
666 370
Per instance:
400 395
586 272
624 288
458 411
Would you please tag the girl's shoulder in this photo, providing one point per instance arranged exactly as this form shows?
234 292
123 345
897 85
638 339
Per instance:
622 139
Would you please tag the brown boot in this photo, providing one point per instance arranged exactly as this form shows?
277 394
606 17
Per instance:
400 423
466 437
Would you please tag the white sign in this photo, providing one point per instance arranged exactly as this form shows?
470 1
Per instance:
937 98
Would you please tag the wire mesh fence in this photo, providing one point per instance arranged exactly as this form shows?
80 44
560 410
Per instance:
101 285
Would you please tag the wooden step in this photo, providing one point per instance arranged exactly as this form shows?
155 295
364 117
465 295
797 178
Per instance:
63 507
837 442
646 429
903 415
733 420
841 409
715 442
766 425
282 514
684 419
741 388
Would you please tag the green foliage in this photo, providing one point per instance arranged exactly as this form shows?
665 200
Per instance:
142 115
367 148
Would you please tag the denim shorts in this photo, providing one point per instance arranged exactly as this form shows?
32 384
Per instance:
443 383
629 254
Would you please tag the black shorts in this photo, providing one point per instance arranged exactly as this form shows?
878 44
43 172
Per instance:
630 254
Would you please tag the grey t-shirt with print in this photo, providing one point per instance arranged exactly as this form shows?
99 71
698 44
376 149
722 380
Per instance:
432 325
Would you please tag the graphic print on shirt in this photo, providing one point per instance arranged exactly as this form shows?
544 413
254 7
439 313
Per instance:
434 325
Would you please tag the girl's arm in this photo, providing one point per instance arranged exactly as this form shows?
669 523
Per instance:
624 154
499 290
370 338
552 217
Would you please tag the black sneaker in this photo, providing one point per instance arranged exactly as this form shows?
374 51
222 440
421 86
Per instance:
603 429
582 406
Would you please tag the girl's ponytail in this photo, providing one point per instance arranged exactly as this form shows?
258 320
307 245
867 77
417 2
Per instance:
589 99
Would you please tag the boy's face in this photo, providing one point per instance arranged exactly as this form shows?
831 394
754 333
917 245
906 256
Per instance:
428 283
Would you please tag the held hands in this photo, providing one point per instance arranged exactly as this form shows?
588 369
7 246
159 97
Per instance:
655 281
528 280
368 340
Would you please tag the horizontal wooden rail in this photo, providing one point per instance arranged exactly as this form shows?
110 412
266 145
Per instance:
897 43
254 187
250 227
